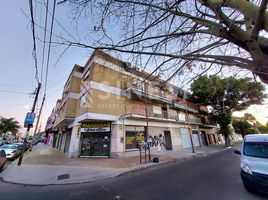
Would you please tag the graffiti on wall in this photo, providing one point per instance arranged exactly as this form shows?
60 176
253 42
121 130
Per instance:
157 141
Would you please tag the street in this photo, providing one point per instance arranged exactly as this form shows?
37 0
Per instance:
215 176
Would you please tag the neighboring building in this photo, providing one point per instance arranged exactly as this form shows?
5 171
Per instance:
104 107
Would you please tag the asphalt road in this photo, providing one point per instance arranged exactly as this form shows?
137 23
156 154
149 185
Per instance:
215 177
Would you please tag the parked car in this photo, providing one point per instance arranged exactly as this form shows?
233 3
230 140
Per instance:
254 162
12 151
2 159
19 144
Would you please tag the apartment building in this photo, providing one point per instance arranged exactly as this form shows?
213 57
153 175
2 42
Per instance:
108 106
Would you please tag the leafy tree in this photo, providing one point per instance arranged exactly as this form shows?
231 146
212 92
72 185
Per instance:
263 129
249 118
226 95
189 35
8 124
243 127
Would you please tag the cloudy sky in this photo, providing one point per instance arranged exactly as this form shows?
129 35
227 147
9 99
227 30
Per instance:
17 64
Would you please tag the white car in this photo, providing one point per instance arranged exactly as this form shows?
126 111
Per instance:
254 162
12 151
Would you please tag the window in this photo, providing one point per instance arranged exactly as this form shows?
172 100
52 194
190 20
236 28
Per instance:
256 149
87 74
134 134
83 100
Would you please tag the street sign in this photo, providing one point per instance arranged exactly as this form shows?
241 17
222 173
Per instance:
29 119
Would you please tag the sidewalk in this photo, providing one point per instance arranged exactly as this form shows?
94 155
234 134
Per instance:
45 166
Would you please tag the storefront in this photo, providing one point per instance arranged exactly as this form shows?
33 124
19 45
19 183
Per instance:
95 139
134 135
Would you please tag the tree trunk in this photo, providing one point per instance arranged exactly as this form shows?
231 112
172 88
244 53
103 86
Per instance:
227 141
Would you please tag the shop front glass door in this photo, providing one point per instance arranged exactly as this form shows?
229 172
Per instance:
95 144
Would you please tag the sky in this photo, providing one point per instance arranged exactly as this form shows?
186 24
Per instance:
17 64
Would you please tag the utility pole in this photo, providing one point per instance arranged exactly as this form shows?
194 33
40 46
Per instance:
39 115
147 123
189 125
29 126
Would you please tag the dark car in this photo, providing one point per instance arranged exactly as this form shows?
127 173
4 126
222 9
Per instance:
2 159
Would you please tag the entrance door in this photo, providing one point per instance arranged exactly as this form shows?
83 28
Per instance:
67 143
196 139
185 136
204 138
168 140
55 136
58 141
95 144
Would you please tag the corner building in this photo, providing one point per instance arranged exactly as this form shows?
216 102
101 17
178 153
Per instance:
107 104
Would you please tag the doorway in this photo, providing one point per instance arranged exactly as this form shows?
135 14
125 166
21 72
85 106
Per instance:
168 140
204 138
95 144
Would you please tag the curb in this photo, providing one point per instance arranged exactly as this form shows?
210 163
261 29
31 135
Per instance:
90 181
131 171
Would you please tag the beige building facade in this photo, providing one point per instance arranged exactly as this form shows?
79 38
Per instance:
109 106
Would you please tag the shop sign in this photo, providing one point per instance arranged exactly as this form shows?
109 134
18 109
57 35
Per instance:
95 127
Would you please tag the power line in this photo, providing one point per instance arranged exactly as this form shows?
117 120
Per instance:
15 92
44 44
48 56
66 31
34 41
49 45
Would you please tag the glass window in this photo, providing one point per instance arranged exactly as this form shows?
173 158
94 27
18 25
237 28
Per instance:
83 100
87 74
8 147
256 149
134 135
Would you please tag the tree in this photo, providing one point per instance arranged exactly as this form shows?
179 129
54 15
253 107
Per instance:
242 126
178 36
8 124
263 129
249 118
226 95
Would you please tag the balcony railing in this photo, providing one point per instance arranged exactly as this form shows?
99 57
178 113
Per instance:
194 119
155 95
163 115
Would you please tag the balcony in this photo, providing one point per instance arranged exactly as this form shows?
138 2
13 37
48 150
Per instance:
182 106
207 120
159 96
66 113
164 115
155 95
194 120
